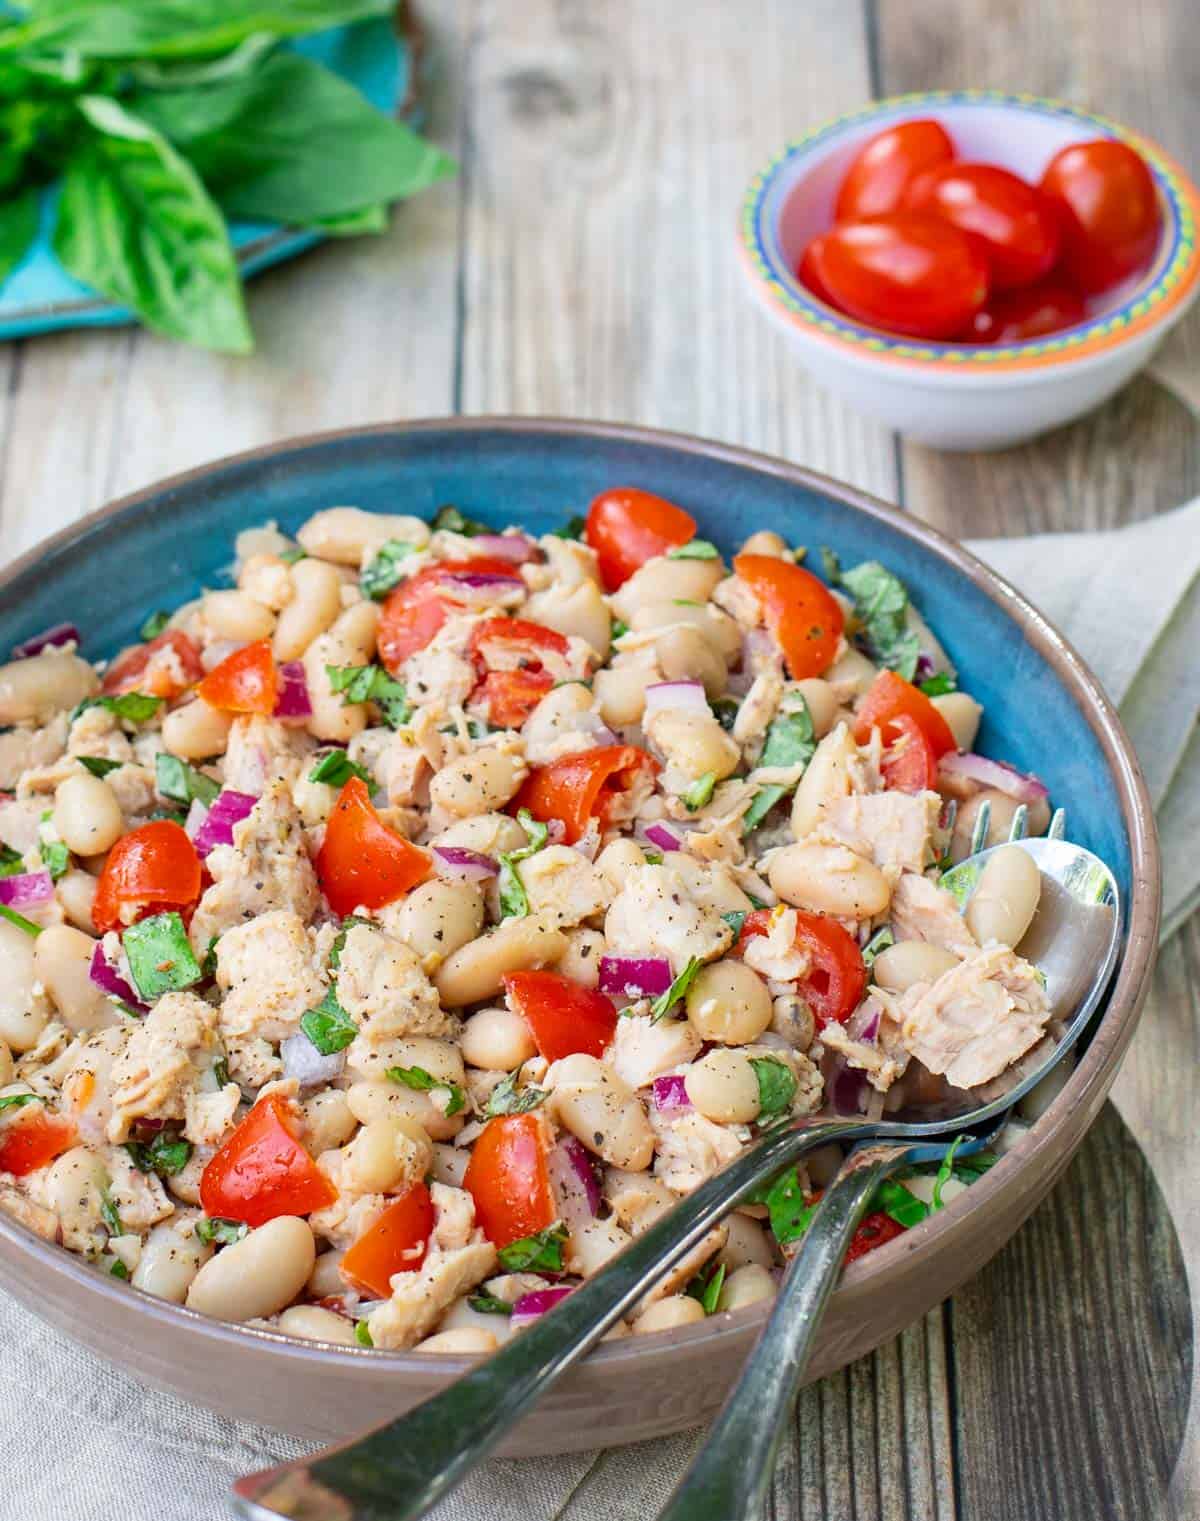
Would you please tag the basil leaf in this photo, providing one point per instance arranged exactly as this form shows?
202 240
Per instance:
160 956
179 75
339 944
118 1270
109 1214
362 1334
56 858
541 1253
735 920
945 1172
507 1098
776 1086
371 683
18 229
706 1286
354 224
972 1168
726 711
176 779
12 863
663 1004
939 684
425 1082
619 629
653 857
514 900
294 555
136 223
573 528
19 920
694 549
386 570
133 707
791 741
892 1198
336 768
881 606
488 1304
328 1026
165 1155
789 1212
220 1068
453 521
220 1232
700 792
881 940
18 1100
153 626
97 765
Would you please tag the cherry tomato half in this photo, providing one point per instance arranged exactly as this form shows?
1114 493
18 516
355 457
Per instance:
33 1139
888 697
909 764
1108 211
565 1017
363 863
908 272
245 682
263 1171
1050 306
508 1179
882 170
396 1243
1015 223
518 662
801 612
582 787
836 978
150 870
876 1230
165 667
416 610
626 527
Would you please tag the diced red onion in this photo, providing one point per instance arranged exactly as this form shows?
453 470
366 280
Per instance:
49 639
573 1179
304 1062
844 1085
687 695
864 1023
670 1093
555 831
294 701
109 980
508 546
925 668
229 808
196 815
531 1307
594 726
483 580
664 838
588 843
634 976
990 773
26 890
463 865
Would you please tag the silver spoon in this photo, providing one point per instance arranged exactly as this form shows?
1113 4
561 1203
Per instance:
400 1470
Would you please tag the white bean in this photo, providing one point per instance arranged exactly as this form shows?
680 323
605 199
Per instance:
73 1188
384 1154
496 1040
449 1164
581 959
729 1002
669 1314
440 1058
723 1087
1005 897
829 879
313 1323
746 1286
480 782
328 1121
62 959
852 673
617 860
437 918
685 654
348 534
662 580
765 542
822 703
717 627
592 1102
169 1262
6 1065
826 778
258 1275
87 815
476 971
76 892
264 578
234 615
34 690
1003 811
470 1341
695 743
377 1098
578 611
492 834
553 717
746 1242
22 1017
326 1279
195 731
594 1243
908 962
350 642
962 713
620 692
316 601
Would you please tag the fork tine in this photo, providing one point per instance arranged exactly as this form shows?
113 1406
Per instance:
983 823
949 815
1019 827
1058 825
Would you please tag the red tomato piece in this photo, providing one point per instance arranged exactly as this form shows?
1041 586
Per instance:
1108 210
263 1171
884 167
396 1243
565 1017
801 612
582 787
876 1230
837 978
150 870
1050 306
509 697
518 663
508 1179
889 696
363 863
246 682
908 272
909 764
415 611
1014 222
165 667
33 1139
626 527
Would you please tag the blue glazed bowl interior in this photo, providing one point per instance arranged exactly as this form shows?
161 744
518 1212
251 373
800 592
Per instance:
169 542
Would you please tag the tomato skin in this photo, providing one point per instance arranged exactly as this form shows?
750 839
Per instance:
876 1230
582 787
908 272
1015 223
509 697
363 863
801 612
1050 306
263 1171
565 1017
396 1243
884 166
246 682
1107 205
837 977
909 764
508 1179
511 655
414 612
151 869
33 1140
626 527
888 697
129 673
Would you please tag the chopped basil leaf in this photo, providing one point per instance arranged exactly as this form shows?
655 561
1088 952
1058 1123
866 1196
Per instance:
118 1270
542 1253
700 792
663 1004
939 684
134 707
386 570
791 741
685 602
507 1098
694 549
735 920
488 1304
16 1100
514 900
970 1169
109 1214
176 779
706 1286
726 710
339 944
160 956
175 815
56 858
219 1232
208 967
572 529
619 629
425 1082
831 565
220 1072
336 768
362 1334
776 1086
291 556
328 1026
453 521
19 920
154 625
881 940
788 1210
371 683
892 1198
881 607
944 1173
653 857
165 1155
97 765
12 863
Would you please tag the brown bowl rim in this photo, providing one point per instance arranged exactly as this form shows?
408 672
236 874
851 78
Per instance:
1109 1039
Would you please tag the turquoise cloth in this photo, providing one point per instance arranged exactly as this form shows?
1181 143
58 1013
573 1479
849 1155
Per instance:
40 297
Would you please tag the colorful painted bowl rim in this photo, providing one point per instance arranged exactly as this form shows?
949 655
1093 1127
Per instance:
939 1232
1167 286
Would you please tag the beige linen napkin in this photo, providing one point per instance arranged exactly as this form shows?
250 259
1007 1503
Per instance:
80 1441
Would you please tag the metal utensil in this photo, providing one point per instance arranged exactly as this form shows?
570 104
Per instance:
400 1470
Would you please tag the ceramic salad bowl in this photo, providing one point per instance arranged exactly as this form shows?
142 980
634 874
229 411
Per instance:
1044 711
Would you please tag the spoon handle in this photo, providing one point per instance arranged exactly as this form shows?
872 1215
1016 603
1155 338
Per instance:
730 1477
397 1472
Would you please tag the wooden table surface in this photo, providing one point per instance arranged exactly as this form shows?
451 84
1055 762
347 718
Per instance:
583 264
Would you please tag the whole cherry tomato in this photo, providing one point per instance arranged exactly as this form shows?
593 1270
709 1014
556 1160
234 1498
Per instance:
245 682
396 1243
1013 221
626 527
508 1179
801 612
362 863
880 173
565 1017
263 1171
836 979
890 697
150 870
1108 211
584 786
1050 306
165 667
908 272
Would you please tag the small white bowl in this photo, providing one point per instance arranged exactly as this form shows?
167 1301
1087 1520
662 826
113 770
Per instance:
956 395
